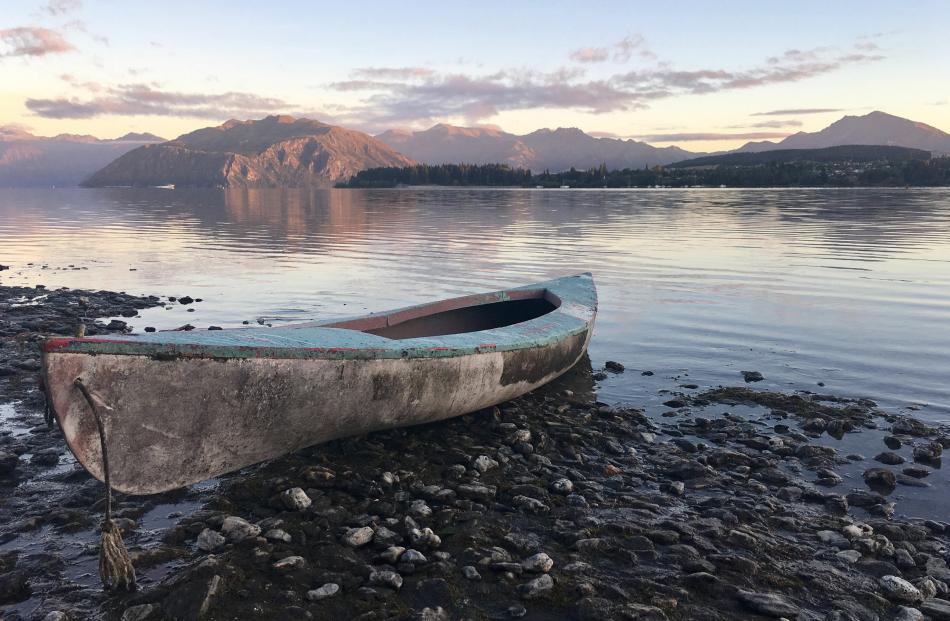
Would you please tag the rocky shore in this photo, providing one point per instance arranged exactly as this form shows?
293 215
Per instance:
729 503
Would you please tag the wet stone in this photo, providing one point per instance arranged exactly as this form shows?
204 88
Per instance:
889 458
768 604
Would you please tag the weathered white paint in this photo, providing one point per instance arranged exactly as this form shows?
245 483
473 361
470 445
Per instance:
176 422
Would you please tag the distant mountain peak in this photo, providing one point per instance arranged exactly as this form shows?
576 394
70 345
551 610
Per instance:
873 128
139 137
276 151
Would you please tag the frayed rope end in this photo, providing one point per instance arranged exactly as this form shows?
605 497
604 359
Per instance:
115 566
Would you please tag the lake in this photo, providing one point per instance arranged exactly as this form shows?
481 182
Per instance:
850 288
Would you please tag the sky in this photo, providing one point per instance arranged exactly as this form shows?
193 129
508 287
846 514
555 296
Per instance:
702 75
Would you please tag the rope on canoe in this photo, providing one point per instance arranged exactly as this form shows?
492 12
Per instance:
115 566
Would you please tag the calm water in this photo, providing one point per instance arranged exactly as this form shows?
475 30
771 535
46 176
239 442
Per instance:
846 287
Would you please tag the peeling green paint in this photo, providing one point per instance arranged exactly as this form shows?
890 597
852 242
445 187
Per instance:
313 340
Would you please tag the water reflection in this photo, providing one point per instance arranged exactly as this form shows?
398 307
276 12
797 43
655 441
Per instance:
847 287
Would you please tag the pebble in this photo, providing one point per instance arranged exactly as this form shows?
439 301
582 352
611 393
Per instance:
386 578
900 590
537 587
276 534
562 486
356 537
471 573
539 562
327 590
290 563
484 463
238 529
210 540
295 499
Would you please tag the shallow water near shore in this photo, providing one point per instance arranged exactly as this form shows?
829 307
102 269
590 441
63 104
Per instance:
850 288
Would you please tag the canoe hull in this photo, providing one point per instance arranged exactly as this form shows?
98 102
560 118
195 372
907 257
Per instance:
178 421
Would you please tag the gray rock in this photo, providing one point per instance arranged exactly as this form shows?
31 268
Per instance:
471 573
484 463
290 563
413 556
938 609
889 458
210 540
539 562
276 534
424 538
392 554
562 486
239 529
327 590
768 604
56 615
295 499
832 538
531 505
419 509
537 587
386 578
356 537
880 479
908 614
900 590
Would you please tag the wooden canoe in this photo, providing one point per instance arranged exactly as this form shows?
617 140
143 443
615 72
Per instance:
182 407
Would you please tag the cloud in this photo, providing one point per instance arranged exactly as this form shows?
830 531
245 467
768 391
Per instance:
412 96
392 73
590 55
791 111
61 7
712 136
621 51
777 124
145 99
32 41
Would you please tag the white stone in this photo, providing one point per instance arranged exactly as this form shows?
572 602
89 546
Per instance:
900 590
327 590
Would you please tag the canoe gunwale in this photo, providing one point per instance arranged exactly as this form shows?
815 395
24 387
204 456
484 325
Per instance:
574 299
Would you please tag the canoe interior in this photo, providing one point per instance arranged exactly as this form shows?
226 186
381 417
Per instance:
441 319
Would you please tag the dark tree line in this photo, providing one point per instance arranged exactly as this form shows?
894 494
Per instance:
933 172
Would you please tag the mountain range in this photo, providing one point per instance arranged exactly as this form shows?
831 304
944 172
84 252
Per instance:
63 160
277 151
874 128
289 152
544 149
